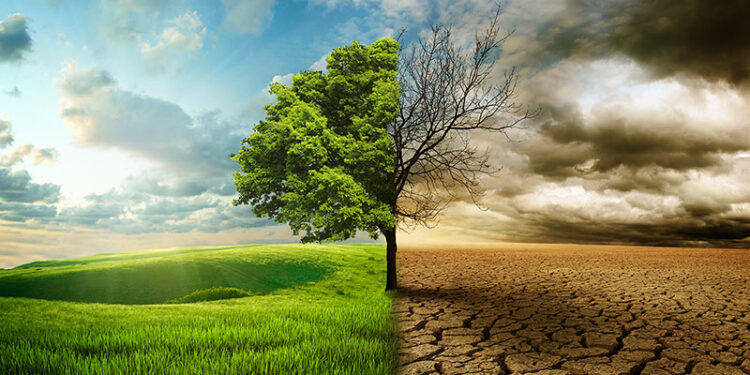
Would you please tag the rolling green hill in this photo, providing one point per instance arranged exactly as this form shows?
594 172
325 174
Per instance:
310 309
158 276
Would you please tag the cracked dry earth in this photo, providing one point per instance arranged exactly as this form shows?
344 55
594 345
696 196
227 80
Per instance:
557 309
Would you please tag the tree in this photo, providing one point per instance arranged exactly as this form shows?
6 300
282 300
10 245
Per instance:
382 138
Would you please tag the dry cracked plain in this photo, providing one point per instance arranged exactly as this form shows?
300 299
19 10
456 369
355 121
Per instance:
556 310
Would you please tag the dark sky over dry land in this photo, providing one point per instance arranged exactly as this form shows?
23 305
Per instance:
116 117
644 135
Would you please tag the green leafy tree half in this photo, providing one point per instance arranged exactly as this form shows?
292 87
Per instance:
379 139
322 160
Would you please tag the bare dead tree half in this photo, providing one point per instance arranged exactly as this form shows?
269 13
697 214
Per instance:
447 92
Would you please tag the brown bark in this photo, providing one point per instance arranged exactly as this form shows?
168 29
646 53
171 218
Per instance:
390 240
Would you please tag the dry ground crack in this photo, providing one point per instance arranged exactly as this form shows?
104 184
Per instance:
557 310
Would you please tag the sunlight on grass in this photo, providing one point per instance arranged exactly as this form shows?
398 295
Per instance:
130 279
211 294
337 323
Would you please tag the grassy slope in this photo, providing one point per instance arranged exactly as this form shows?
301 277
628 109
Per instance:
155 277
337 324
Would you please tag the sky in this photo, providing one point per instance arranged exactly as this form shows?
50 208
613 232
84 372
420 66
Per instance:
117 119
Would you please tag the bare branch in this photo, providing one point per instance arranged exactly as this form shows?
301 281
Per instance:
447 92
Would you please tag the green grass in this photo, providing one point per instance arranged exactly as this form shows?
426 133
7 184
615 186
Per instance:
158 276
211 294
323 310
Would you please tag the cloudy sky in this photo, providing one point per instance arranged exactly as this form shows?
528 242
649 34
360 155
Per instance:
117 118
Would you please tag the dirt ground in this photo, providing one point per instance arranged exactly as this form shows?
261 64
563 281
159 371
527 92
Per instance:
565 309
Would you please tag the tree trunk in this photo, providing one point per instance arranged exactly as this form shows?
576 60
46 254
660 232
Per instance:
390 255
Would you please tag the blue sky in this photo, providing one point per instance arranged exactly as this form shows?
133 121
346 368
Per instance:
123 113
117 118
226 69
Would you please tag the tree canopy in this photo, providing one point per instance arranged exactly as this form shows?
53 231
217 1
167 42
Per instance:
322 160
382 137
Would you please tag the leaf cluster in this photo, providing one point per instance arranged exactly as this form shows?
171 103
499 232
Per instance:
322 160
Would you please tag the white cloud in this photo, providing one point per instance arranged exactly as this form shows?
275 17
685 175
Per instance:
416 10
336 3
321 64
102 115
183 36
186 188
6 138
17 191
244 16
286 79
126 211
133 5
126 20
38 156
16 186
161 182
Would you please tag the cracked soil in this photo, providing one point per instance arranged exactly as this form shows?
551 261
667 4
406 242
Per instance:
569 309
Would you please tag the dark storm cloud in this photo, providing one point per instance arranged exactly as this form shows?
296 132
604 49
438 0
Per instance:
650 206
706 38
620 179
14 38
612 141
703 38
652 179
714 233
568 212
618 156
631 147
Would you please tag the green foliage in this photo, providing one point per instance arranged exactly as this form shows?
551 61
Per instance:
322 159
307 328
211 294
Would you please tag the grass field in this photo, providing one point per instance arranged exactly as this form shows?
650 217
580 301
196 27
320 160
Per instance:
313 309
